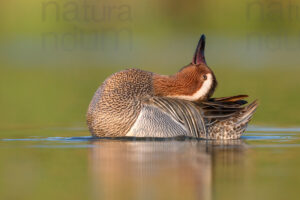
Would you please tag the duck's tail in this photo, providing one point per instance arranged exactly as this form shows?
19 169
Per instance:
244 118
234 126
247 113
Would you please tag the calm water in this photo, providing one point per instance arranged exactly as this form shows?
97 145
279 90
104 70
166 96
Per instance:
264 164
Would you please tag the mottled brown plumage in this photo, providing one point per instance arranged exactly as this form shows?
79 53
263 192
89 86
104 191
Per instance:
117 103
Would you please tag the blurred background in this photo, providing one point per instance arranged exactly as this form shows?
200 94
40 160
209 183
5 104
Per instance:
55 53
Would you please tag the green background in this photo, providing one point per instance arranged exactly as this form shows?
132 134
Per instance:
48 73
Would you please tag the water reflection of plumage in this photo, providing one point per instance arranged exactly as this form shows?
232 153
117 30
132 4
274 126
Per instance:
159 169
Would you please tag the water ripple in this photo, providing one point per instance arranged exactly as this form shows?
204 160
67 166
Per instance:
265 137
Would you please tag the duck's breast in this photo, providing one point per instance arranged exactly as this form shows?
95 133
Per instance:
117 103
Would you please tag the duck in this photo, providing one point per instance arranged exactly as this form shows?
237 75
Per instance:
138 103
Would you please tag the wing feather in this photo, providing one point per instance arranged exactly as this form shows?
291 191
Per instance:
231 98
184 112
196 118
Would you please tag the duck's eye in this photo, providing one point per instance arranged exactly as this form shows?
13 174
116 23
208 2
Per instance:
204 77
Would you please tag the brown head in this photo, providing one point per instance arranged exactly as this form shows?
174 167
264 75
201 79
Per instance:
194 82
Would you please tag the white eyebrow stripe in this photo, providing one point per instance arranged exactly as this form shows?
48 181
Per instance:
202 92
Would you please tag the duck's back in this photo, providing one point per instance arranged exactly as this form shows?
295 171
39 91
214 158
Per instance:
117 103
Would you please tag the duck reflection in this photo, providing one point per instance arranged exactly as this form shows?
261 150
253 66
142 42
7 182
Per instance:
171 169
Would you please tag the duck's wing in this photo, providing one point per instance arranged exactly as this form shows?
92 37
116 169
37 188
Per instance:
182 112
218 109
169 117
238 99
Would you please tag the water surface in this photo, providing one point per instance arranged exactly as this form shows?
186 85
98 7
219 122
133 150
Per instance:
263 164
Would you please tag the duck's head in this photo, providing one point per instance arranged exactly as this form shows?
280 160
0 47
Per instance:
194 82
